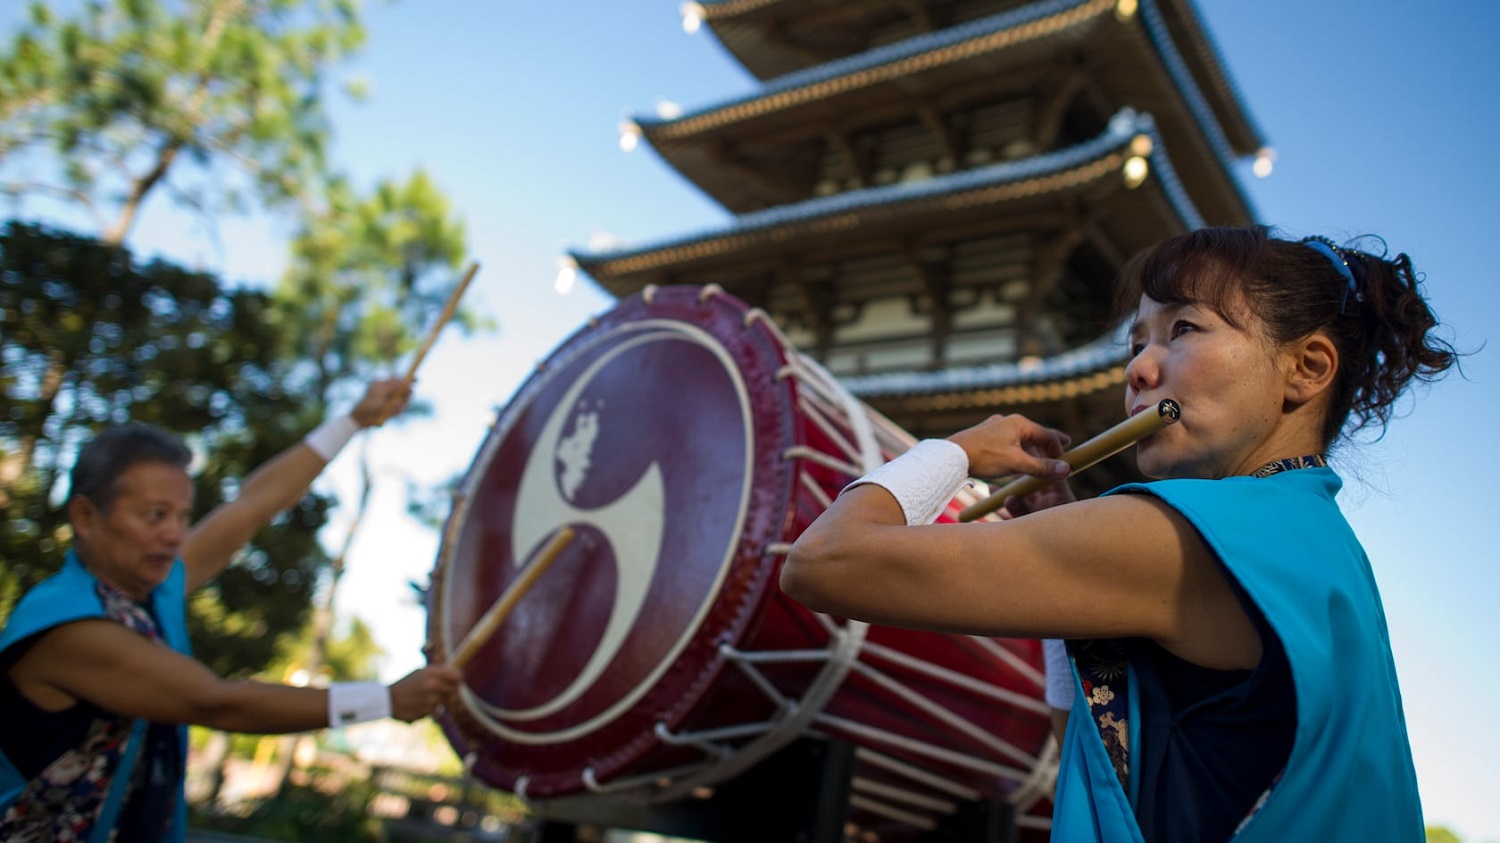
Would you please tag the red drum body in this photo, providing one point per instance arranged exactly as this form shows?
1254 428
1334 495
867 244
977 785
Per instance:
688 444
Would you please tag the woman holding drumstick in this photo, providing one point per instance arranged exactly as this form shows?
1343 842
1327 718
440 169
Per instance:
1227 656
96 674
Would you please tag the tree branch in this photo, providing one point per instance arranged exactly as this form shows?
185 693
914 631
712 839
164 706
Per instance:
18 188
138 190
192 115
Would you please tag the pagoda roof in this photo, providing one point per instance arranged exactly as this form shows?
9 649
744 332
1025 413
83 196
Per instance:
1022 185
1080 371
1140 66
755 33
1077 390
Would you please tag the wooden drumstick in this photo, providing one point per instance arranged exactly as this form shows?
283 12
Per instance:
1100 448
496 614
450 307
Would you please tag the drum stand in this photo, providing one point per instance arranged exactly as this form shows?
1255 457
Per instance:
800 794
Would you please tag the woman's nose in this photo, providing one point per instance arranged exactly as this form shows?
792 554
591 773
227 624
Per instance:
174 531
1143 371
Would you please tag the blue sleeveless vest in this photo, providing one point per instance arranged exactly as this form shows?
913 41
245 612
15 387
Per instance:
69 595
1350 775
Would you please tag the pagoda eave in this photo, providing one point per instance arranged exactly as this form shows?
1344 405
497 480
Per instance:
1135 62
1080 391
1084 182
756 33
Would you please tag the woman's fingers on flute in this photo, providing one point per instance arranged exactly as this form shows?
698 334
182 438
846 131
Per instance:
1013 444
1050 495
1056 493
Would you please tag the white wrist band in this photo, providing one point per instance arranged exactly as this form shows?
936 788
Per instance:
357 702
330 437
923 480
1059 693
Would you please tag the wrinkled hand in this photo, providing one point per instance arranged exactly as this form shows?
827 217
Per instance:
383 399
1003 445
420 692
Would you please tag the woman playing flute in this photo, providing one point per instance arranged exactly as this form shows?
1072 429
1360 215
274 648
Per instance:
1226 651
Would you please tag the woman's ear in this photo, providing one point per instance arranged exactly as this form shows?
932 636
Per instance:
82 513
1312 364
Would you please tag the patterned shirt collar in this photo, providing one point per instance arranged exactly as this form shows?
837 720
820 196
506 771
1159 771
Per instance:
1290 464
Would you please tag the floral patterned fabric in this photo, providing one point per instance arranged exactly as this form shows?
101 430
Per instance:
1290 464
1102 671
62 803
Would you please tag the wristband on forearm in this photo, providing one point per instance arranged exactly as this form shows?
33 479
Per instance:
330 437
923 480
357 702
1059 693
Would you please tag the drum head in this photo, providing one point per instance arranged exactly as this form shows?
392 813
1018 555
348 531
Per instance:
638 433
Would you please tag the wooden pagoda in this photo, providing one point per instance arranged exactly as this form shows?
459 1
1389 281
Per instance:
932 197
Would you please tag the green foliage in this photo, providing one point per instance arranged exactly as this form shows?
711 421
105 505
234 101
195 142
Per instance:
131 95
1439 834
327 808
88 339
102 107
367 273
346 657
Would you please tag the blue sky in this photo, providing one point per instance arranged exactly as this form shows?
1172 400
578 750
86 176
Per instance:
1383 115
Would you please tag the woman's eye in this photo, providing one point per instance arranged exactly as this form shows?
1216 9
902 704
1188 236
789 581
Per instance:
1180 327
1136 348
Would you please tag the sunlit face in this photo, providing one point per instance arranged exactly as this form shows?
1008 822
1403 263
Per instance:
132 545
1228 381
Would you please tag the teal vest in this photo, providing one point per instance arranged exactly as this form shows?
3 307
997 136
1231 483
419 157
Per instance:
69 595
1350 775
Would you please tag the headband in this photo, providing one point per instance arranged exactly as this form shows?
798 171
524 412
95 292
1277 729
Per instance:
1340 263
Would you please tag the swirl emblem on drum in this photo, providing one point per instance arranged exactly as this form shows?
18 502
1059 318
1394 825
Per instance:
601 440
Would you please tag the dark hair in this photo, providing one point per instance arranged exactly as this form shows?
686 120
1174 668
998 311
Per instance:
111 453
1382 327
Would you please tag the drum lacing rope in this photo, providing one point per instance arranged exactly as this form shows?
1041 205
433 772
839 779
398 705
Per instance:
947 717
793 718
865 755
656 779
705 740
916 747
822 385
960 680
917 821
814 408
812 487
1041 783
786 709
818 378
904 796
1014 661
811 454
